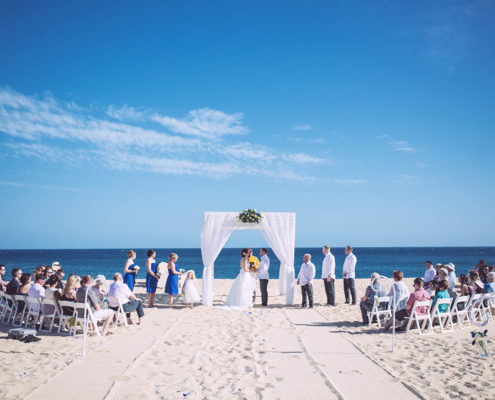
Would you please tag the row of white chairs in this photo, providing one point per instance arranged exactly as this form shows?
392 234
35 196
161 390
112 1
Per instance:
48 311
481 306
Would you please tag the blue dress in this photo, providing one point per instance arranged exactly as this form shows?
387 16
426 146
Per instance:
172 285
130 278
151 281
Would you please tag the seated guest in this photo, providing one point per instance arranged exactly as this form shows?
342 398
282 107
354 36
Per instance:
483 271
490 284
451 277
25 283
419 294
118 289
444 275
432 288
442 293
374 289
99 287
37 290
3 283
476 285
48 272
401 292
465 289
429 273
51 292
40 269
55 266
438 267
69 293
14 285
85 294
60 275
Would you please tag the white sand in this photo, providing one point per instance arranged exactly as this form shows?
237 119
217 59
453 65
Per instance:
275 352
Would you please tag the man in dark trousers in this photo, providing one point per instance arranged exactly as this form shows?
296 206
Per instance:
263 276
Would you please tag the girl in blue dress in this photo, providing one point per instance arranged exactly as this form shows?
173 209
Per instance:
130 270
151 277
172 285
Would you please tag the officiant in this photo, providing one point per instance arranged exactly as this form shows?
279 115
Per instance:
263 276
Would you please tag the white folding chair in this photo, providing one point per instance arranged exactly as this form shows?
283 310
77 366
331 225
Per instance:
381 307
461 314
49 310
65 318
421 320
476 313
445 317
485 305
120 310
19 300
79 314
10 307
32 309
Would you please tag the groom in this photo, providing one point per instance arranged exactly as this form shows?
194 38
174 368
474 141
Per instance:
263 276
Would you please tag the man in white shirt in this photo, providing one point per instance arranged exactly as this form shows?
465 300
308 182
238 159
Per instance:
451 277
37 290
263 276
429 273
305 279
119 290
348 273
328 275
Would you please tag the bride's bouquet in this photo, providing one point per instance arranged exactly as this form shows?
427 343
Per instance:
253 264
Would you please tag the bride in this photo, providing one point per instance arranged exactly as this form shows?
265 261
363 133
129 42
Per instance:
241 292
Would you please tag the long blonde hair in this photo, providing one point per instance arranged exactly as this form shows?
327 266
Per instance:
72 281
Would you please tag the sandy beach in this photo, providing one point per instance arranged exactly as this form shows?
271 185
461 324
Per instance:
276 352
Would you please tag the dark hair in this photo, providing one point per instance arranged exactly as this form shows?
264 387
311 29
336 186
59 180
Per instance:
15 271
2 265
244 252
419 282
60 271
264 250
25 278
398 275
86 279
52 280
39 277
474 275
428 262
150 252
463 279
443 284
349 248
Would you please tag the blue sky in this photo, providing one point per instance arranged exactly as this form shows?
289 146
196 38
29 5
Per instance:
121 122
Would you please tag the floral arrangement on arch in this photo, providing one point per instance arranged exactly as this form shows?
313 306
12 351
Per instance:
250 216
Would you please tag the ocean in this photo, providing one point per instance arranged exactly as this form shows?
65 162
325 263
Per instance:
410 260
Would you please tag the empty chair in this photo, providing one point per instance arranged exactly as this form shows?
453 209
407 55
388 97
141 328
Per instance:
475 313
420 315
460 311
8 307
49 313
32 309
19 307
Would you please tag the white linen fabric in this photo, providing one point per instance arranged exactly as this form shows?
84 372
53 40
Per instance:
306 273
119 290
451 278
264 267
401 296
241 292
429 274
349 267
278 229
328 267
36 291
190 292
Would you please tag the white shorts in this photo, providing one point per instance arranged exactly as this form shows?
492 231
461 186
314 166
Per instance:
102 314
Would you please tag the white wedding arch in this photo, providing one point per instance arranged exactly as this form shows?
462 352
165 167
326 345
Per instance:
278 229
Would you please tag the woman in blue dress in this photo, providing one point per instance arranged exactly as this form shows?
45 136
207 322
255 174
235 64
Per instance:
172 285
151 277
130 270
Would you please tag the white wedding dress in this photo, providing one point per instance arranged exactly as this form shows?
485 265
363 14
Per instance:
241 292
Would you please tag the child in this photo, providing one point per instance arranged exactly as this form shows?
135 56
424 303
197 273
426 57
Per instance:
190 291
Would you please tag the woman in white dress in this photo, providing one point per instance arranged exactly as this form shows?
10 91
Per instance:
241 292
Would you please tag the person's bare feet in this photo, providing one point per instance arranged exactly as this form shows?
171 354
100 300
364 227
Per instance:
140 322
129 321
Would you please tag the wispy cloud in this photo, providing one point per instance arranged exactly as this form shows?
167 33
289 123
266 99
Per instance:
47 187
398 145
200 144
420 164
302 127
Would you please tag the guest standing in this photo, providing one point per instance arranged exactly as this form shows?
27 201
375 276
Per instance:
263 276
130 270
429 273
348 272
172 285
151 277
328 275
305 279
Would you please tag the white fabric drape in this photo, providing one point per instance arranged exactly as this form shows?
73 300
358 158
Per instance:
279 230
217 228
